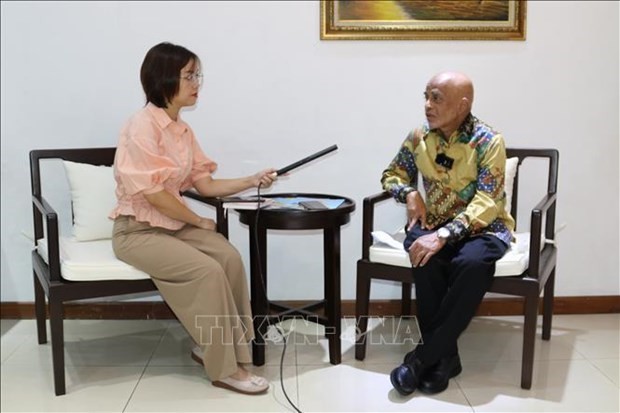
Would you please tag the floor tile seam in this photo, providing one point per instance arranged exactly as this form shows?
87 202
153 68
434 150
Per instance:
359 364
470 361
466 360
617 356
179 365
576 350
8 356
110 365
49 368
22 334
135 387
164 327
583 361
169 326
297 387
471 406
137 337
318 364
603 373
278 365
298 367
288 348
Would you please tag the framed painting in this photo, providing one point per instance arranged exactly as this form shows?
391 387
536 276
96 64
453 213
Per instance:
423 19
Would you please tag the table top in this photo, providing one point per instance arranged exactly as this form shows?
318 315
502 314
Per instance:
291 218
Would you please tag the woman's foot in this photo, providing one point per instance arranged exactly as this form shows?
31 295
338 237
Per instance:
242 381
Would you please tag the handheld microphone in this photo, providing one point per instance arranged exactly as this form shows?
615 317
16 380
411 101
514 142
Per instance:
305 160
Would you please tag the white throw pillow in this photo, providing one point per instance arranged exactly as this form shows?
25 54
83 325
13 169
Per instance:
93 198
509 177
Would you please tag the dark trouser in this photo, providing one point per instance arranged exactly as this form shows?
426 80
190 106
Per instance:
449 289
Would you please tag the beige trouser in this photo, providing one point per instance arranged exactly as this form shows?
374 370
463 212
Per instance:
201 277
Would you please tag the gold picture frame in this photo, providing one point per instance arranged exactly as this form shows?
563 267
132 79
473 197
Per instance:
423 20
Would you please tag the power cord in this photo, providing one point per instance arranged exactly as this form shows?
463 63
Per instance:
262 278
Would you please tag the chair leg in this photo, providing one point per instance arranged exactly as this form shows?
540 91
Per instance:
548 306
529 335
58 344
406 300
362 301
39 309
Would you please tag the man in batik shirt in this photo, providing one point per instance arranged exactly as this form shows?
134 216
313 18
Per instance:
454 237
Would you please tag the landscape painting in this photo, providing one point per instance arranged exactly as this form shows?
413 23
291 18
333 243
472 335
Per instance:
423 20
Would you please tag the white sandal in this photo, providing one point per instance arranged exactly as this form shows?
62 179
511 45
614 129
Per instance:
255 385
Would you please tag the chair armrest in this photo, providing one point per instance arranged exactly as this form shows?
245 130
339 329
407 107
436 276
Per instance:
221 219
546 206
42 208
368 216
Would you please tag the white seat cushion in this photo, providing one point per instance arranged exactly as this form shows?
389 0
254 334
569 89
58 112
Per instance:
392 252
90 261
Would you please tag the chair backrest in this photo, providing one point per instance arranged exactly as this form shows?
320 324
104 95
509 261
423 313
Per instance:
93 156
521 153
552 183
98 156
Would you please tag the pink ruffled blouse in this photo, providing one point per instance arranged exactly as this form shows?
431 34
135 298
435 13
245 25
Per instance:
155 153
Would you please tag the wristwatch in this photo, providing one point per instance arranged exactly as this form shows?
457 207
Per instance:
443 233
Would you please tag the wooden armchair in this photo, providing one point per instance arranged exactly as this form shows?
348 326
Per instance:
58 257
538 271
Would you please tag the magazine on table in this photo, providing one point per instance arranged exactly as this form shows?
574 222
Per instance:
236 202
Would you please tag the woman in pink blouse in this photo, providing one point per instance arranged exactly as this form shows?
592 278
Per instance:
198 272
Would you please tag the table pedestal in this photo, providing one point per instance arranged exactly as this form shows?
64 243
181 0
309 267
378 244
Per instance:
264 311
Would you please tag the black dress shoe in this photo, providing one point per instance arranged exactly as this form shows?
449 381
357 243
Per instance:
406 377
436 379
409 356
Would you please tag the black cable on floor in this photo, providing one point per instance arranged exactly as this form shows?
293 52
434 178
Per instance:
262 278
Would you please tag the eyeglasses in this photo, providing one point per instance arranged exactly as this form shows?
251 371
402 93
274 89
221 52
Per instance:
193 77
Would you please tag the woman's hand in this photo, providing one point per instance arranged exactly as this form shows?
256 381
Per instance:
171 207
206 223
264 178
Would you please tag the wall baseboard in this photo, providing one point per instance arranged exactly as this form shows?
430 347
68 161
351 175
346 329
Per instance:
118 310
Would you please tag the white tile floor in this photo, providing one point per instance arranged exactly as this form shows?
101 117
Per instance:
144 366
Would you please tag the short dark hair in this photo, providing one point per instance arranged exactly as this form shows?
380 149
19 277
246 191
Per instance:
160 70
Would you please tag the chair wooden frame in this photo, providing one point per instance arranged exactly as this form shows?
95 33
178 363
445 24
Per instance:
538 277
48 281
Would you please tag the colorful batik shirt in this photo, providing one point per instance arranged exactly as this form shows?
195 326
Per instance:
467 198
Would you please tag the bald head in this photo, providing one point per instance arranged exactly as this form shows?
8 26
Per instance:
449 97
457 84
